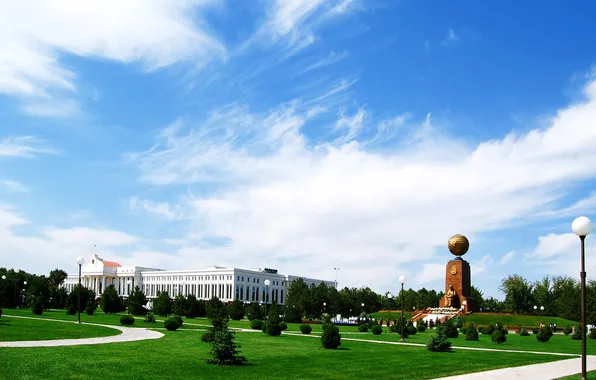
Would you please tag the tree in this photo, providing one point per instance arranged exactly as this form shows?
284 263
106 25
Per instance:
73 299
236 310
478 296
297 300
254 311
137 302
224 351
55 281
273 327
162 305
518 294
180 306
331 337
110 301
194 308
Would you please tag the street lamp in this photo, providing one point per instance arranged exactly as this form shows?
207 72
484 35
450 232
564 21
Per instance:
16 280
80 262
582 227
402 280
24 293
336 270
389 297
267 283
463 312
324 307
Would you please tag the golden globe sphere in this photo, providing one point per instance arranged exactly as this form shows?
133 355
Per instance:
458 245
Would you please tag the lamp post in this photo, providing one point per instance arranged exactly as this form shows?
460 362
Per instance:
80 262
389 297
402 280
16 281
463 312
582 227
24 293
267 283
336 270
324 307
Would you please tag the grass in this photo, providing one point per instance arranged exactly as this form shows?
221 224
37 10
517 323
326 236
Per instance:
516 320
395 314
14 329
181 354
558 343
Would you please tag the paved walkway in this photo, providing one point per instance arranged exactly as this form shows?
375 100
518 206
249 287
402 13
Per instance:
545 371
129 334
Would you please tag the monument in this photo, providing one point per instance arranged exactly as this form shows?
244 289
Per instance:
458 277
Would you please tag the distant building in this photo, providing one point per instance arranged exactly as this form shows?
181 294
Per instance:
228 284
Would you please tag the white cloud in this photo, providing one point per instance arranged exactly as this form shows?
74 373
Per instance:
51 108
283 200
451 37
331 59
23 146
507 257
559 254
162 209
431 273
14 186
35 34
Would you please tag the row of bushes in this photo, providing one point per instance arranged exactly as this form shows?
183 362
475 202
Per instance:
171 324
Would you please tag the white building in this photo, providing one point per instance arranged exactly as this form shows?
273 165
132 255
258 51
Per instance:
228 284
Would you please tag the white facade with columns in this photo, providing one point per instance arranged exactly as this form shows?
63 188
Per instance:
228 284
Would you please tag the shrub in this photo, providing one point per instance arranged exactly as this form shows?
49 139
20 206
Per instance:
535 331
194 307
223 349
431 324
498 326
490 329
331 337
498 337
592 333
363 328
421 327
544 334
207 337
180 305
450 329
524 332
482 330
71 309
504 331
179 320
171 324
457 322
150 317
273 327
137 302
567 330
463 330
110 301
254 311
162 304
376 330
438 342
577 335
236 310
0 312
471 332
283 326
412 330
91 307
37 307
256 324
305 329
127 320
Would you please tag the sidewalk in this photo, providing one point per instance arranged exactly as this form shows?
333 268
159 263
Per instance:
129 334
545 371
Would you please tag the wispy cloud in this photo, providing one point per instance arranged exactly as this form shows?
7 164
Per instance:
34 34
506 257
14 186
52 108
451 37
23 146
331 59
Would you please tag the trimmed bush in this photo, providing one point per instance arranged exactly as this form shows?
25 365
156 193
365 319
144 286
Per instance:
544 334
283 326
457 322
498 337
207 337
363 328
592 333
256 324
567 330
421 327
0 312
438 342
71 309
490 329
376 330
331 338
412 330
524 332
150 317
127 320
37 308
504 331
471 332
305 329
482 330
179 320
171 324
535 331
577 335
91 307
450 329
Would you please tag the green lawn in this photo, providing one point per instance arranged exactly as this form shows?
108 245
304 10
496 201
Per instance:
181 355
13 329
516 320
558 343
395 314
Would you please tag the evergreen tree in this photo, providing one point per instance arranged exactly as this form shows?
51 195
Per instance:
137 302
236 310
194 307
162 304
224 350
273 327
180 305
110 301
254 311
73 299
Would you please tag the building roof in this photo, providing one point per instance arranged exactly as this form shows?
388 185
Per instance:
110 264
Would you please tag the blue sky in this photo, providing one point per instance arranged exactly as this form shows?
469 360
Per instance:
299 135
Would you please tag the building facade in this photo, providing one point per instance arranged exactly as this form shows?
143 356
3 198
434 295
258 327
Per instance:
228 284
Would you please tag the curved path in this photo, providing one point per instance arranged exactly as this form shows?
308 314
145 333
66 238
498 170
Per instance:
129 334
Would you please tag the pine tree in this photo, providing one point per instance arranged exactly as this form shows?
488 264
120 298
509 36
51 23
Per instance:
180 305
236 310
224 350
136 302
273 327
162 304
110 302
